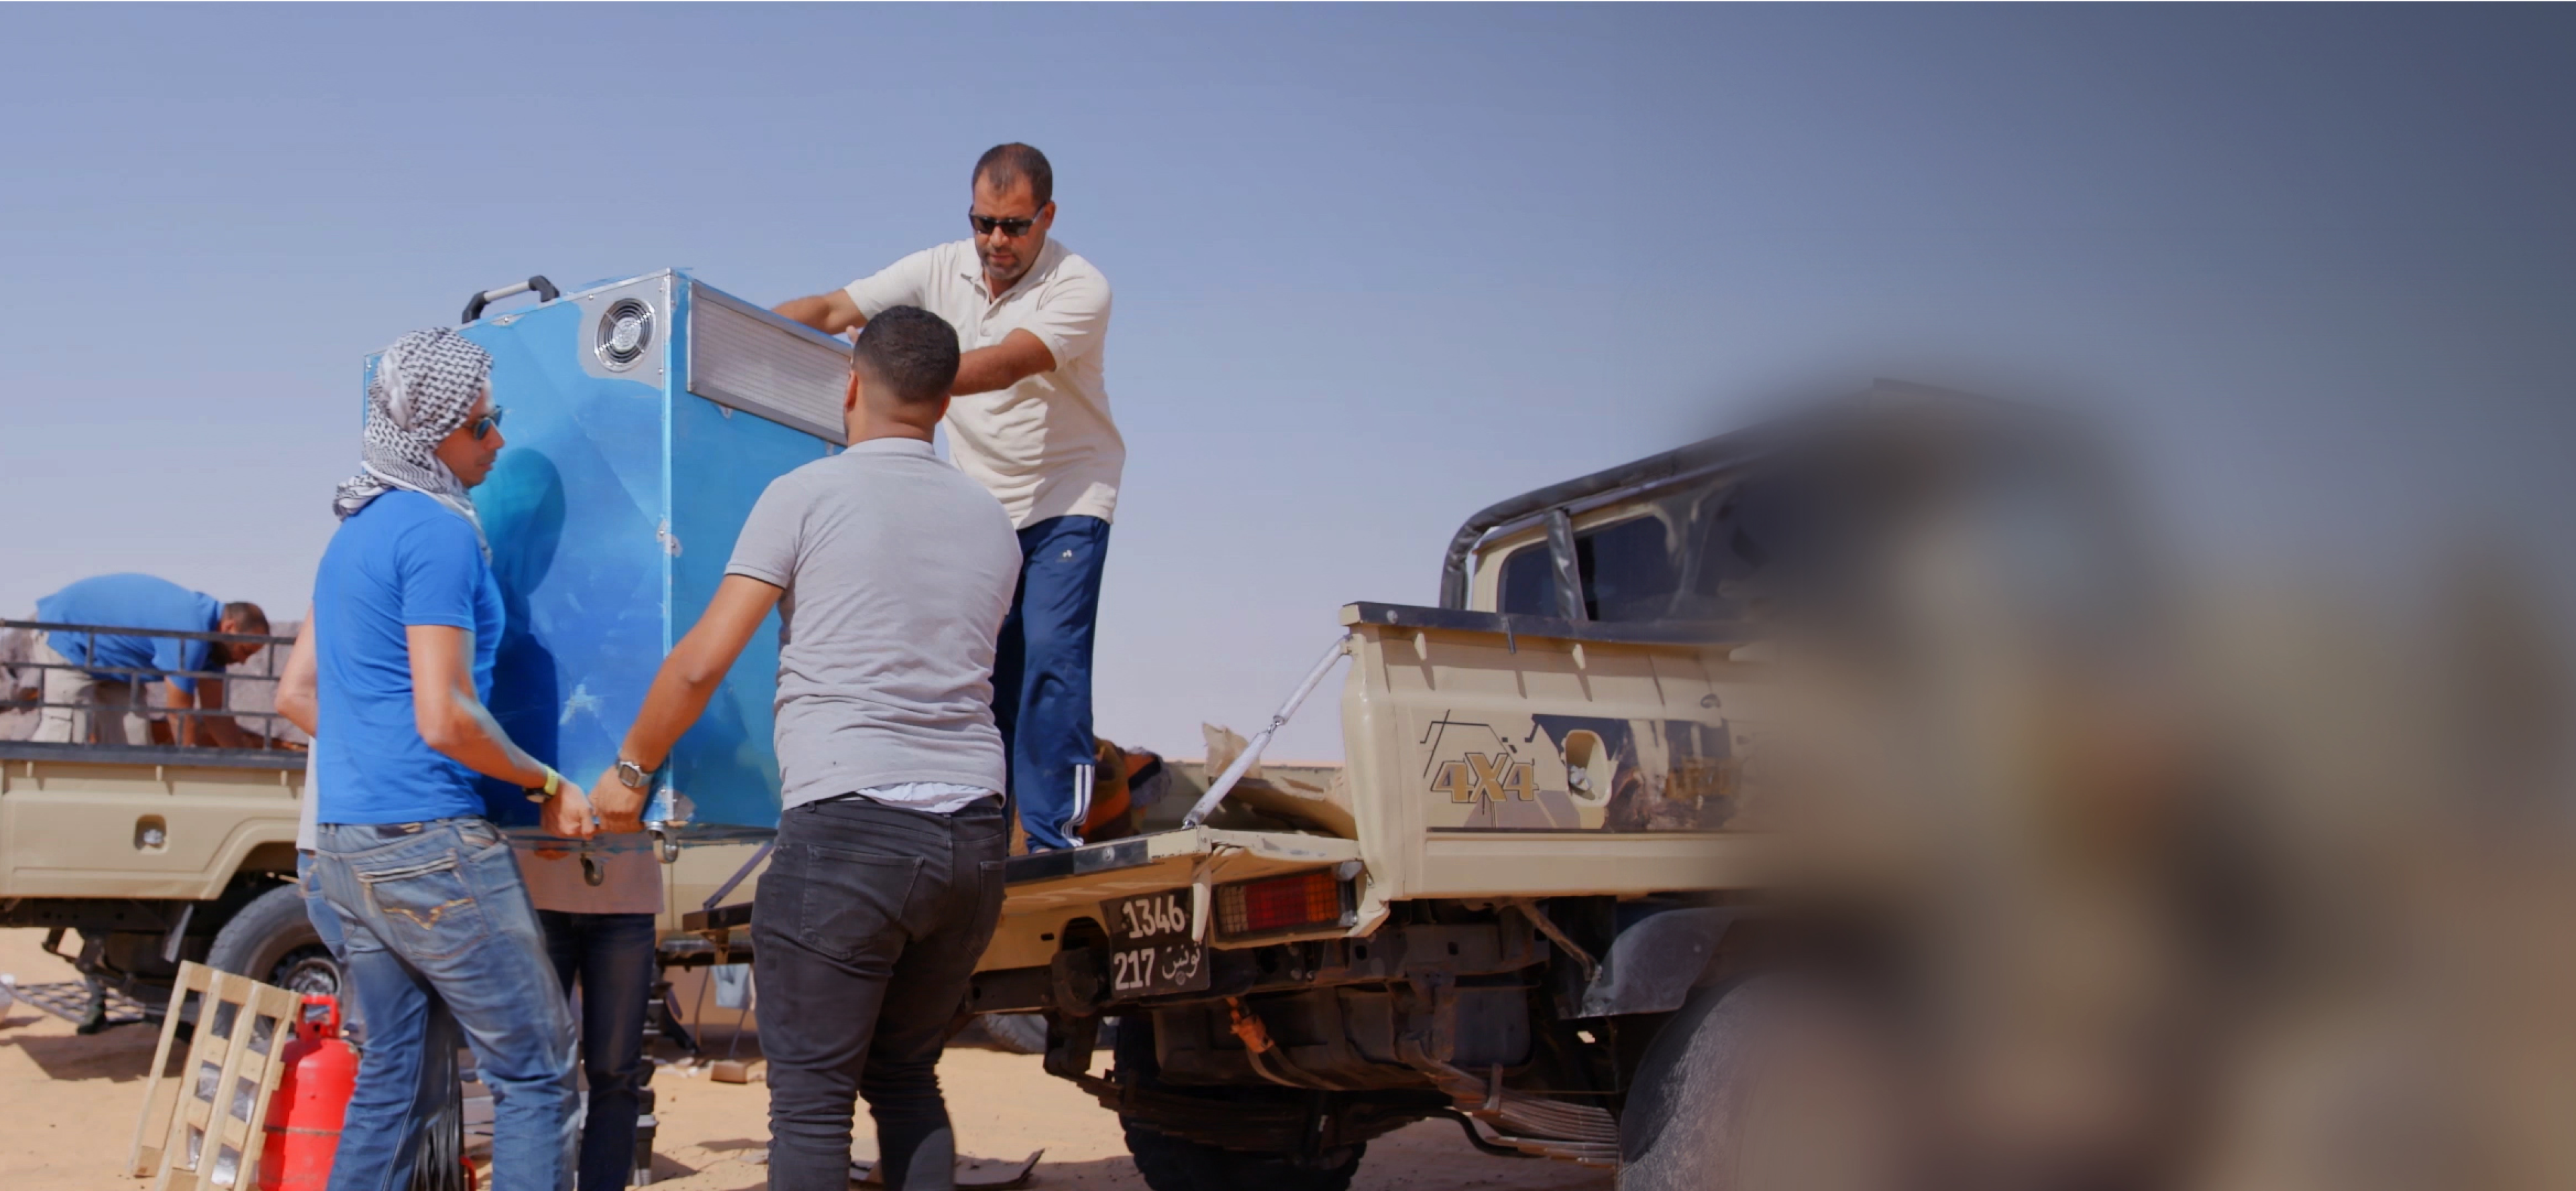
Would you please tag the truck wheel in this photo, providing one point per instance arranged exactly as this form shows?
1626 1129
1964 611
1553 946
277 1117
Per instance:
271 941
1770 1084
1171 1164
1018 1033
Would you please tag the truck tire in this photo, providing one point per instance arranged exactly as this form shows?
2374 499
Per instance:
271 941
1172 1164
1770 1084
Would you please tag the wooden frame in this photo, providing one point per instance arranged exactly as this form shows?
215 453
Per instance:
211 1133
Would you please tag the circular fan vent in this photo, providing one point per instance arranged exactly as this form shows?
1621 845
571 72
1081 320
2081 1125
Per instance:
625 330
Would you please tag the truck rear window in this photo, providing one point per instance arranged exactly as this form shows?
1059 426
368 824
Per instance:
1627 568
1525 586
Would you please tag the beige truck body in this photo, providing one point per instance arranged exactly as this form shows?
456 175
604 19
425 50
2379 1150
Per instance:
1504 777
127 845
1456 788
153 824
183 828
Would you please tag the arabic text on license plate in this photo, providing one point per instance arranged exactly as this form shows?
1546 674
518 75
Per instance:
1152 948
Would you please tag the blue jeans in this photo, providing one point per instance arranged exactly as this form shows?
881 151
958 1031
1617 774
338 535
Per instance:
433 912
438 1086
325 920
1042 676
609 957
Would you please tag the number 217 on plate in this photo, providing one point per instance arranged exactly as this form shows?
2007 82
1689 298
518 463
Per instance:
1152 947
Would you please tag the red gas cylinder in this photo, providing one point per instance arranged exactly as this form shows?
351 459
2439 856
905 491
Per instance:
312 1101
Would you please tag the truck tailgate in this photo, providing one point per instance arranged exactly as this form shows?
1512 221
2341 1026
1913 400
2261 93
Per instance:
1144 863
1052 888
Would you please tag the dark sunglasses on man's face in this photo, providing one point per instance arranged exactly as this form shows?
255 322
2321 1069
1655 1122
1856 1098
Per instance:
986 225
485 425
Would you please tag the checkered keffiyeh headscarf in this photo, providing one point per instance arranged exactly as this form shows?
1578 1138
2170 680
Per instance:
424 386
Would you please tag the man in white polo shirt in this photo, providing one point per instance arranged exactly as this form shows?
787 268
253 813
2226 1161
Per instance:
1030 422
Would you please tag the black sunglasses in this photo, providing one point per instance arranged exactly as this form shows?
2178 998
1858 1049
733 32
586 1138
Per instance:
485 425
986 225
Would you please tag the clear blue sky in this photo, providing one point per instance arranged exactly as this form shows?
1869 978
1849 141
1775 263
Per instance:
1375 266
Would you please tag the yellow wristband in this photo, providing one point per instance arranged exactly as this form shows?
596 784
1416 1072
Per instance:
553 781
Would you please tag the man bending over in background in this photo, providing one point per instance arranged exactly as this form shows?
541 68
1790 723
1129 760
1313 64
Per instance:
139 602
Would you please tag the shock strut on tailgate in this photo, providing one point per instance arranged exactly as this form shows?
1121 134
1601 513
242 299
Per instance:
1243 763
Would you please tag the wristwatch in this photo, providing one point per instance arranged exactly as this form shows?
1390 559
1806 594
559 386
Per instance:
633 776
546 792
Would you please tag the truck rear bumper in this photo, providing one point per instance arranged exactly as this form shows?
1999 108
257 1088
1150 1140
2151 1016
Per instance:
1159 861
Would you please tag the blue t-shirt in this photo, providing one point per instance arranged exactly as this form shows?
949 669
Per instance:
133 602
403 560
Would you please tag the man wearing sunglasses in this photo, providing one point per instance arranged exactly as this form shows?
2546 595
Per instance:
406 622
1030 421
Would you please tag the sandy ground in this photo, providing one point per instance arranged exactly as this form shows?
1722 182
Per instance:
68 1106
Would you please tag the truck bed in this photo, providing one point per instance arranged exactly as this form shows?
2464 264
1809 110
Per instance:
1490 758
142 821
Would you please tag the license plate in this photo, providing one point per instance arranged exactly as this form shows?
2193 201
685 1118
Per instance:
1152 946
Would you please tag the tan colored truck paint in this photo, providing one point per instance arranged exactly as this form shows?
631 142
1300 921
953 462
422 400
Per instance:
80 828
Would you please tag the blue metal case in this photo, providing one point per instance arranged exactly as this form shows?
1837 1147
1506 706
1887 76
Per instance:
645 418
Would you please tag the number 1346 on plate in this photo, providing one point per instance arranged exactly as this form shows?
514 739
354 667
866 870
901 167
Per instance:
1152 946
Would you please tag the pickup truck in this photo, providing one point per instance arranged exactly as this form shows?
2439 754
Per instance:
1546 839
1586 883
153 854
137 857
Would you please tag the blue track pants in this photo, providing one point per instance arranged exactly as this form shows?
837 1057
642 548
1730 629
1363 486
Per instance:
1042 676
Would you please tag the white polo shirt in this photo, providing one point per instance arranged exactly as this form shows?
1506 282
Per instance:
1045 446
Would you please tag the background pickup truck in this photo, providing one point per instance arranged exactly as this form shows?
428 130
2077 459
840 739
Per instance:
140 856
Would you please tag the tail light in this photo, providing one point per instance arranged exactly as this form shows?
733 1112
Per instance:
1304 901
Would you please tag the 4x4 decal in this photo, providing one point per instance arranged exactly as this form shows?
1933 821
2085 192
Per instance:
1486 777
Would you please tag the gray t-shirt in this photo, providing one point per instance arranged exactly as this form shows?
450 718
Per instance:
898 571
308 819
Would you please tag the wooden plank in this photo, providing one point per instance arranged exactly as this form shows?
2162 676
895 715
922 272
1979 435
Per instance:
224 1092
142 1160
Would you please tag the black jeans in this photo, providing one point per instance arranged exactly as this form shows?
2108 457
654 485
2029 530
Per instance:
865 931
609 957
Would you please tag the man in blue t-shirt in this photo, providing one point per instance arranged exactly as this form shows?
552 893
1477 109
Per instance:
119 664
406 617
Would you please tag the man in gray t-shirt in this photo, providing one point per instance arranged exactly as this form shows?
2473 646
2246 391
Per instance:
891 572
895 571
